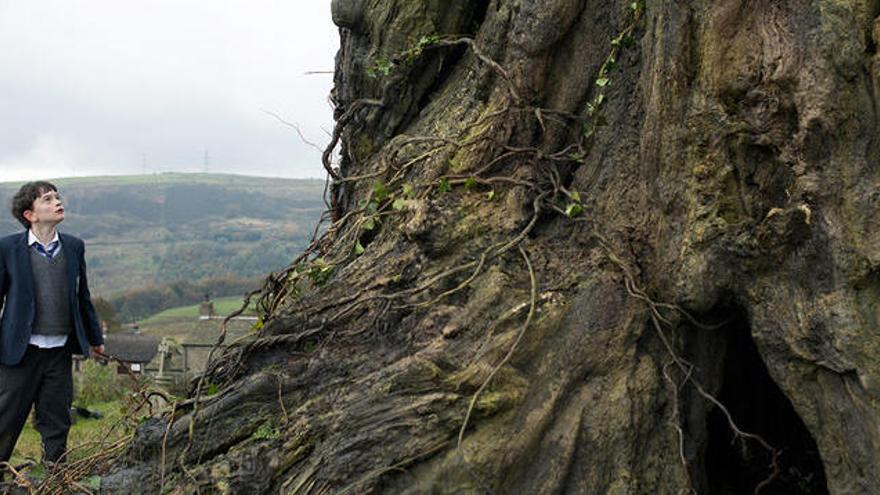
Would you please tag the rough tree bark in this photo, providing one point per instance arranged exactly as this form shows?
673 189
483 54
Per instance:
636 245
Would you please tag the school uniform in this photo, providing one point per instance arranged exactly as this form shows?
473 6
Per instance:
47 316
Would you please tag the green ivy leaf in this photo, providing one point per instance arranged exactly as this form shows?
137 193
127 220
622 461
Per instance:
408 190
587 130
426 41
576 196
384 66
573 210
380 67
358 248
444 186
602 82
490 195
369 224
380 191
470 183
320 271
398 204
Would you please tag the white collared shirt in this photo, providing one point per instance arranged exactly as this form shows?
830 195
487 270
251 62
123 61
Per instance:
32 238
45 341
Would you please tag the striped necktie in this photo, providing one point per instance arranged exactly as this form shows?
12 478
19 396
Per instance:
49 251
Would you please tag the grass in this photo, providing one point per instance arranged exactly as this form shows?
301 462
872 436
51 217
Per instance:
222 307
86 435
99 388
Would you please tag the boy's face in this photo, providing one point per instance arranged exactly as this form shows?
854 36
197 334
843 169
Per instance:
47 209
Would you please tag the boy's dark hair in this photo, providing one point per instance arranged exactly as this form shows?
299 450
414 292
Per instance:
25 197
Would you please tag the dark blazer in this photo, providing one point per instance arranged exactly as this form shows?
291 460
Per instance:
17 296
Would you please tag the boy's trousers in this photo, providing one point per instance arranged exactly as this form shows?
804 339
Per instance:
42 379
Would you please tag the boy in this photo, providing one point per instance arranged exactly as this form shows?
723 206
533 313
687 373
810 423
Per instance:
47 316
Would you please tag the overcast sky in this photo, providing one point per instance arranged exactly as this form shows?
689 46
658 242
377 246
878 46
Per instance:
91 87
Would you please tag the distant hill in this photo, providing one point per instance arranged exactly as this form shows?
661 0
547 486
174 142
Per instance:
152 230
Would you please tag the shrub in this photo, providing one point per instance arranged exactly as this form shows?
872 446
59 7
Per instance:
98 383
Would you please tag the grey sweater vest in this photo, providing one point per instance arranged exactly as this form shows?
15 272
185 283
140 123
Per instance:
53 315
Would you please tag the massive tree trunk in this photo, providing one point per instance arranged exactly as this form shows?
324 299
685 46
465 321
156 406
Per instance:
578 247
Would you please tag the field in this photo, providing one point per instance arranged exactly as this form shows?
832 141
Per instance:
222 306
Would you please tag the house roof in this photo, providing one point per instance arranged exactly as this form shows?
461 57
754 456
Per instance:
131 348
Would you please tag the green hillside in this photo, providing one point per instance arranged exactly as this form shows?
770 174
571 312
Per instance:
153 230
222 307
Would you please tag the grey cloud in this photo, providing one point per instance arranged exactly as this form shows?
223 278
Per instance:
90 86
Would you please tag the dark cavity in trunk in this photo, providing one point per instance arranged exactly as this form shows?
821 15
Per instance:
757 406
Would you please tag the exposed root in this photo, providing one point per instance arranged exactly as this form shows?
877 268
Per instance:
675 423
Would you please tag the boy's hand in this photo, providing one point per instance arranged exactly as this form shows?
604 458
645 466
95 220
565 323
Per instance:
98 351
